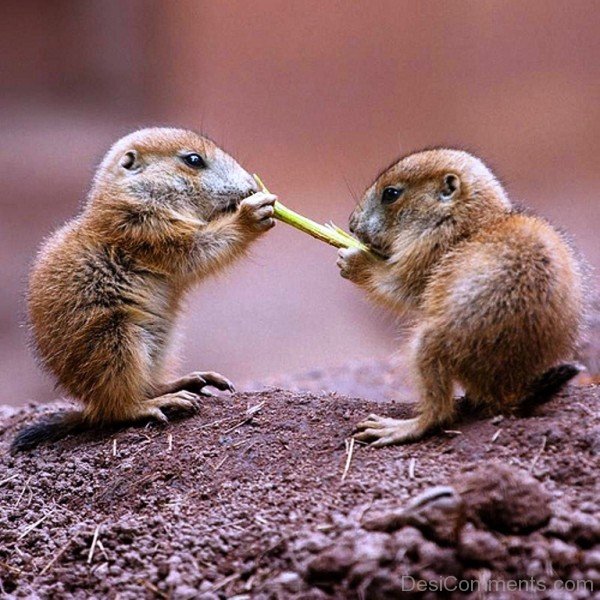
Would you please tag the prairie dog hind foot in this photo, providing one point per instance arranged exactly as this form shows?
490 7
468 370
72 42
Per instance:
161 407
385 431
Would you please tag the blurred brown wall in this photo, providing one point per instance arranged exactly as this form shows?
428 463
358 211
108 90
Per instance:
316 97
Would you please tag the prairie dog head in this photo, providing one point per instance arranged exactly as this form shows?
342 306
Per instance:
425 194
171 169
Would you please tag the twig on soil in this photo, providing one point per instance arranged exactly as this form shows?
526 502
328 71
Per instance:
272 547
411 468
249 414
359 442
366 509
225 582
349 453
170 442
102 549
583 407
539 454
9 479
219 464
452 432
249 445
10 568
23 490
496 435
114 449
99 569
58 555
215 527
32 527
153 588
254 409
217 422
93 546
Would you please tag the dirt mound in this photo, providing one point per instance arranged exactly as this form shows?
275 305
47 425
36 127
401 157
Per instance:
496 526
249 497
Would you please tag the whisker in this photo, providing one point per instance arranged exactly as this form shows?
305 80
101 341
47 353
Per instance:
353 194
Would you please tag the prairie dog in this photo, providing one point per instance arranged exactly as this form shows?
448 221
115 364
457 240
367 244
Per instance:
497 293
167 208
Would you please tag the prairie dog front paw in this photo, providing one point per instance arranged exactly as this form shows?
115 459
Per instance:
353 263
256 212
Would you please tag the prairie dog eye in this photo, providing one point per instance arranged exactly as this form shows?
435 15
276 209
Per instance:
391 194
193 160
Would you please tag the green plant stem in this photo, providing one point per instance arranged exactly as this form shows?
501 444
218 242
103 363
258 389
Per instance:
331 234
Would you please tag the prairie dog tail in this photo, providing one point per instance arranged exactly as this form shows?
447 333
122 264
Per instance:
551 382
50 429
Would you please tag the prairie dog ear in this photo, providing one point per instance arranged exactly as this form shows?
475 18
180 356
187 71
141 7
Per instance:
130 161
450 187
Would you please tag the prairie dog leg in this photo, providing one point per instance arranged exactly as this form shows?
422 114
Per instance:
436 405
196 381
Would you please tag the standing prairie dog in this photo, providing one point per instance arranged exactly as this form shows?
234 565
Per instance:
167 208
497 293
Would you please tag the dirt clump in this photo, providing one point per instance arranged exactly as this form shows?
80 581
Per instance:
466 538
505 499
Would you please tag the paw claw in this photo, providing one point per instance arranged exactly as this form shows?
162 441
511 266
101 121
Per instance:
217 380
197 381
388 440
367 435
369 425
156 414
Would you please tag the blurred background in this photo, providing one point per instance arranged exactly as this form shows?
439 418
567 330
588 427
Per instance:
316 96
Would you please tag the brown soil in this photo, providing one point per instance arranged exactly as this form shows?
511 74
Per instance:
223 504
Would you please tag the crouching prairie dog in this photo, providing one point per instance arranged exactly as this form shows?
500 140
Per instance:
497 293
167 208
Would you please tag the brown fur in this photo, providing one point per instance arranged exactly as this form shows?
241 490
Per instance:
498 294
105 289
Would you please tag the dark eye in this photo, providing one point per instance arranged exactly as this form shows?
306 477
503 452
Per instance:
391 194
193 160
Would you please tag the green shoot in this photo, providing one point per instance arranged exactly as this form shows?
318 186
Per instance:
330 233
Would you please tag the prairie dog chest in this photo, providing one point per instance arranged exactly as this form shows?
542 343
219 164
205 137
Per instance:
114 281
